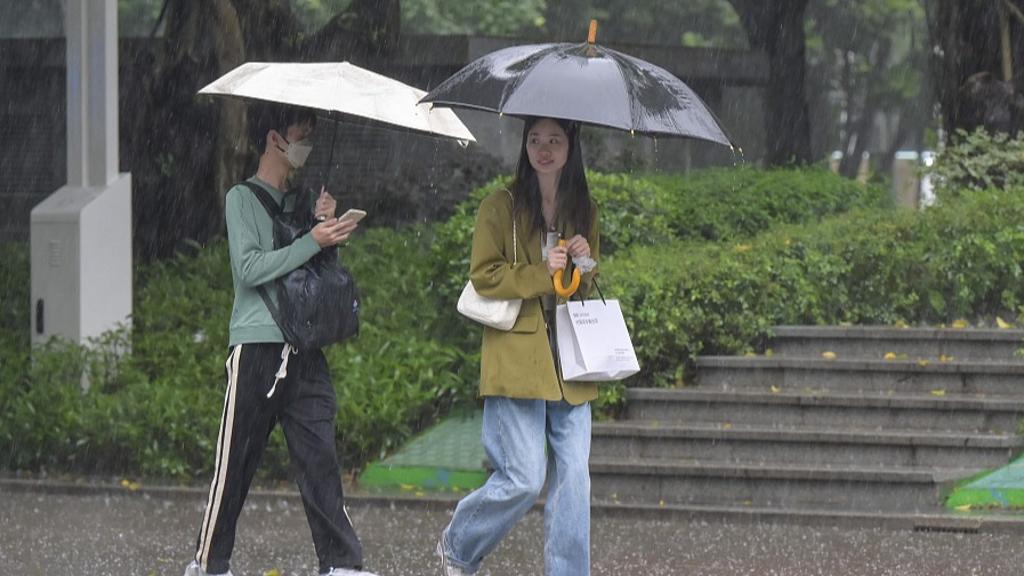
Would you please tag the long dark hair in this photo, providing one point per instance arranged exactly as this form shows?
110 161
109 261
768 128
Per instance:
573 193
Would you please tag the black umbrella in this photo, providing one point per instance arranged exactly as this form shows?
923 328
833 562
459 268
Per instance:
583 82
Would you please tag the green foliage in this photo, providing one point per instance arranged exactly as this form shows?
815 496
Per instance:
696 23
726 204
487 17
155 410
703 263
714 204
979 161
960 260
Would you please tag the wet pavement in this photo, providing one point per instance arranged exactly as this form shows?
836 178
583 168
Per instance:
97 534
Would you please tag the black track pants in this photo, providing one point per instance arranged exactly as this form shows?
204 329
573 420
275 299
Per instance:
304 403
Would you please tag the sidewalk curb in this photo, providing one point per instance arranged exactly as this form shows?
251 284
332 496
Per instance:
957 523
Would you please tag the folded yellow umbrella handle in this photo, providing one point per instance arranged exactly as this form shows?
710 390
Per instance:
574 285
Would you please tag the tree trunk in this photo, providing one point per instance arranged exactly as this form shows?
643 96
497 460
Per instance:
861 129
232 144
777 28
967 62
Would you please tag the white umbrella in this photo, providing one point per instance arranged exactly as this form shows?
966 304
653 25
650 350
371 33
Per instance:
340 88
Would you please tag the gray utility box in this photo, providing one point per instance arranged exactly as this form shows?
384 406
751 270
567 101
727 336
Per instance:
82 261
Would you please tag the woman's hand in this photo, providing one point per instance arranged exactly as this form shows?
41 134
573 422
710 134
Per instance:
333 231
325 205
558 258
578 246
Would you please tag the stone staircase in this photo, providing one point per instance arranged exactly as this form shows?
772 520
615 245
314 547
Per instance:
837 421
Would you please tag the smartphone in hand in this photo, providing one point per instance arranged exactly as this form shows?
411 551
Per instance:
353 214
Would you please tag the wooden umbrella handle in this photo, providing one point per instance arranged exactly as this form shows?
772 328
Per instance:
574 284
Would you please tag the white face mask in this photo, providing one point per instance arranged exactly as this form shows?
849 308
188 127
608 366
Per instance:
297 152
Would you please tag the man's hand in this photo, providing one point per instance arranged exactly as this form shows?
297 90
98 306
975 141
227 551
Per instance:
325 205
333 231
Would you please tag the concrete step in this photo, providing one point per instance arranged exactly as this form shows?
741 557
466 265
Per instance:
986 522
790 487
873 342
804 446
852 375
881 411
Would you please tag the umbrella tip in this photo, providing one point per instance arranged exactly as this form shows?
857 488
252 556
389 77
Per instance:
592 35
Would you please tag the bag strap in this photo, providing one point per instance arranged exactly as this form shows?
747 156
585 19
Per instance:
515 240
272 207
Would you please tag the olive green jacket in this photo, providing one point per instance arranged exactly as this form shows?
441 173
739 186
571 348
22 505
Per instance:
519 363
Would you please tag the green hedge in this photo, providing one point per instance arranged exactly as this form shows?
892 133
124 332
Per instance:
959 260
156 410
713 205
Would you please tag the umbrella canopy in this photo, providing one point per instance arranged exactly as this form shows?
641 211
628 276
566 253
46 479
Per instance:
339 88
583 82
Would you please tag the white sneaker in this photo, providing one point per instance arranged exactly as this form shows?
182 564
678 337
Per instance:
194 569
447 569
347 572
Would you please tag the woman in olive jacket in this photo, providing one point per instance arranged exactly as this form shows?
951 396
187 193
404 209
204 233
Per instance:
536 425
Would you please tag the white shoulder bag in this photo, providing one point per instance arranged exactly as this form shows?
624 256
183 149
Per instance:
494 312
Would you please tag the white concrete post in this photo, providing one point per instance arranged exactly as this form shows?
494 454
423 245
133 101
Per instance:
81 234
92 115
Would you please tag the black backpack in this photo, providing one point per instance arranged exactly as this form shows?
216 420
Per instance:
318 302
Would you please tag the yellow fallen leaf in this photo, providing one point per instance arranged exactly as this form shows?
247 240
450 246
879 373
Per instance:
964 508
727 426
1003 323
829 355
959 323
776 389
901 324
769 352
419 494
944 358
661 503
407 487
939 393
748 502
272 572
922 362
890 356
750 354
743 248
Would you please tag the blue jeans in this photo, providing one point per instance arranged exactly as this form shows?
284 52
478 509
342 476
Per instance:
515 433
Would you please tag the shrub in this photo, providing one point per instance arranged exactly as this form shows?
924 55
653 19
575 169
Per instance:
979 161
724 204
960 260
156 410
714 204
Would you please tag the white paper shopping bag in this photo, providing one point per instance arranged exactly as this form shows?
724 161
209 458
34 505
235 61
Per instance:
593 342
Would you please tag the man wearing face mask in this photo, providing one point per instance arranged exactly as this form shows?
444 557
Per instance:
267 382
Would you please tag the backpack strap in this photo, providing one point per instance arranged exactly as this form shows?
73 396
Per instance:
272 207
273 210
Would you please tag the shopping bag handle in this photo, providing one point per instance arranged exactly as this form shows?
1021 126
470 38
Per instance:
601 294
